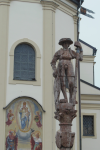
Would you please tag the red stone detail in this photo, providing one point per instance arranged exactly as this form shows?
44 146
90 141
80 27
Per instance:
65 115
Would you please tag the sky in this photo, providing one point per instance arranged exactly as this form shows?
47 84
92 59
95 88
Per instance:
90 32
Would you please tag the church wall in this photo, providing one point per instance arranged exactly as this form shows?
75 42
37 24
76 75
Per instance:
92 143
87 50
86 89
90 99
4 17
64 27
86 72
25 21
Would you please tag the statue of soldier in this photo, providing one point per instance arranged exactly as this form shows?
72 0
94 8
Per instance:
65 68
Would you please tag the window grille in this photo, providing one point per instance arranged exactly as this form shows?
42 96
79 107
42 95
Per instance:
24 62
88 125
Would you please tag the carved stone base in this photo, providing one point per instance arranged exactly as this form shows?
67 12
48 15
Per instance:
65 114
65 139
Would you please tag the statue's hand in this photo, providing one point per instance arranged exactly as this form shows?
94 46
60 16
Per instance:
55 74
77 44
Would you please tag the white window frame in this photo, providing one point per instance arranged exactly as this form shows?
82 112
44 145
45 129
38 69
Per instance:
89 114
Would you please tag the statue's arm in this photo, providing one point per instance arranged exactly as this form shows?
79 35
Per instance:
73 54
78 45
81 54
53 64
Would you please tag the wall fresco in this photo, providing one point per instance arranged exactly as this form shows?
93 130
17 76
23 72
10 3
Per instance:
23 125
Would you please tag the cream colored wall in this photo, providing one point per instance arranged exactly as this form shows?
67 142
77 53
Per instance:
91 143
86 89
87 50
49 9
4 19
45 28
64 27
25 21
86 72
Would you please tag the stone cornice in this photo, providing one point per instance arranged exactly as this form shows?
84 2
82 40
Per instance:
61 3
88 58
49 5
90 106
90 97
29 1
75 18
5 2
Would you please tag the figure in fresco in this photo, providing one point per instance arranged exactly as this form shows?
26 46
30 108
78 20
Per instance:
10 117
64 69
24 116
36 142
11 140
37 119
27 114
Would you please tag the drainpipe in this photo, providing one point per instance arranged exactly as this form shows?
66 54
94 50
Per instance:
78 31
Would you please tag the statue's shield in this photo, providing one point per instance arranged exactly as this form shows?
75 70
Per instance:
66 139
72 140
58 139
57 88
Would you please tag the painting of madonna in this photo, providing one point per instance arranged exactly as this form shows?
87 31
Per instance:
24 117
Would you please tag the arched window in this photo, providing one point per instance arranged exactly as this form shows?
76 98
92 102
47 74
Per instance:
24 62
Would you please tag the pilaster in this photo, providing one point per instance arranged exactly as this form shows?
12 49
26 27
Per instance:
75 18
4 19
49 9
49 5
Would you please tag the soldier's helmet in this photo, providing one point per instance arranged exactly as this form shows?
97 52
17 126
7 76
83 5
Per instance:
68 40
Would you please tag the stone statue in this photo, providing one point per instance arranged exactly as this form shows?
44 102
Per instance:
65 68
65 110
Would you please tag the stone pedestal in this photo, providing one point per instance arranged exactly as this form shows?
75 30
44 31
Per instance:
65 113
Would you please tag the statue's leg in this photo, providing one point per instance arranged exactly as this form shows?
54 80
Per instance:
57 88
71 88
63 88
71 76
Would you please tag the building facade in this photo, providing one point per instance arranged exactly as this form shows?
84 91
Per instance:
30 31
90 99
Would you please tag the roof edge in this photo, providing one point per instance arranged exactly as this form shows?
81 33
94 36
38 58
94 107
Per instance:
87 44
90 84
94 49
77 2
